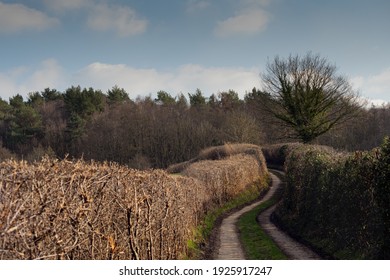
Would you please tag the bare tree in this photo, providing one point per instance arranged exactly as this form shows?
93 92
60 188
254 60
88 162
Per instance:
307 95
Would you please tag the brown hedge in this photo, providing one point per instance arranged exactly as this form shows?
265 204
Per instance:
220 152
62 209
224 179
79 210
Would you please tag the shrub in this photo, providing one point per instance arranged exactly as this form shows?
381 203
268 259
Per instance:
276 154
218 153
5 153
62 209
78 210
339 202
226 178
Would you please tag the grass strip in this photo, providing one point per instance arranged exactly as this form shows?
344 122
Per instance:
256 243
202 232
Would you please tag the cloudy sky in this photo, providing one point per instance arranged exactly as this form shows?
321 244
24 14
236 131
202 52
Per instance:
180 45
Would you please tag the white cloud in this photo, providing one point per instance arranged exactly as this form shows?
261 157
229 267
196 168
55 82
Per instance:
246 22
357 82
217 79
183 79
135 81
18 17
374 88
23 79
197 5
7 87
65 5
382 80
102 16
376 102
120 19
49 74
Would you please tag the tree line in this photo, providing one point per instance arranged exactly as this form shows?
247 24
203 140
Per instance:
155 132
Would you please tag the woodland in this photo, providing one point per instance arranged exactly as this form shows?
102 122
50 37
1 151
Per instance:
156 132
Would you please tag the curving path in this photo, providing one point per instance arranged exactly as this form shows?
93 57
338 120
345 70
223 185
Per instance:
229 243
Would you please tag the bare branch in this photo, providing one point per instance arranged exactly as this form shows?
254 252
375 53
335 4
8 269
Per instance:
307 95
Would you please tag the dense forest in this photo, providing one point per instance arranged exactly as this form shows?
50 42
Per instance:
156 132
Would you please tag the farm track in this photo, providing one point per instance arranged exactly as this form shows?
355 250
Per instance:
229 243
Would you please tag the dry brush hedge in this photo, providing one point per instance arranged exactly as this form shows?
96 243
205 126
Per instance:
225 179
226 170
222 152
61 209
79 210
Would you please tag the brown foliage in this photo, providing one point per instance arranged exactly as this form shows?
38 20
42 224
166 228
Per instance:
5 153
242 165
220 152
225 179
61 209
78 210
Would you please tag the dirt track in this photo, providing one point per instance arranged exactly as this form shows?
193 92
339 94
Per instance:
229 244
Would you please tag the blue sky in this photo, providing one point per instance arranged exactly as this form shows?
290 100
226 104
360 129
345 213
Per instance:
180 45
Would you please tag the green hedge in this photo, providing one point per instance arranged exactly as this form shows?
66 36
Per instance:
339 202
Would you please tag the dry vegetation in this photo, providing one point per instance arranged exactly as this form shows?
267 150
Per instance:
79 210
224 179
65 209
222 152
226 170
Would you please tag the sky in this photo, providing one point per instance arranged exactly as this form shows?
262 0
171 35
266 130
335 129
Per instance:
178 46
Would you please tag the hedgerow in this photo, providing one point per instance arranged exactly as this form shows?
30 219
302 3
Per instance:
225 179
276 154
63 209
339 202
85 210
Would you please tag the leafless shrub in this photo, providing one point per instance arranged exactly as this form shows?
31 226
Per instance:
226 178
77 210
62 209
5 153
179 167
220 152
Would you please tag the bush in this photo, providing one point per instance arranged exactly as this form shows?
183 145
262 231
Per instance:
78 210
339 202
62 209
5 153
220 152
276 154
225 179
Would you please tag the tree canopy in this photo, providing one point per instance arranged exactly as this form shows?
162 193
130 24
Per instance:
148 132
307 95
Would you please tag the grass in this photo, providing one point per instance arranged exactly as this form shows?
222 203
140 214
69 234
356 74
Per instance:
256 243
203 232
